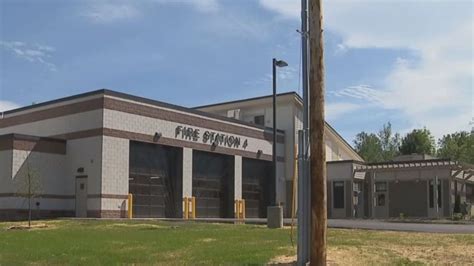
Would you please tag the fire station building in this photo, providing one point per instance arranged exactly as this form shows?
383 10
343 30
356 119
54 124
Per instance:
86 153
82 156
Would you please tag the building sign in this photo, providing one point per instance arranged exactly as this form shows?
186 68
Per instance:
209 137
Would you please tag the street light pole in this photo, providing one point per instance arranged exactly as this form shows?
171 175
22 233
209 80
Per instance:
274 160
276 63
275 212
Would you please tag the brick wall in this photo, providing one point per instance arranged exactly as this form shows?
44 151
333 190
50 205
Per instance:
149 126
115 172
49 183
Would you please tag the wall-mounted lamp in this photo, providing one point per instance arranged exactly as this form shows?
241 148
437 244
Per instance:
80 170
259 153
157 136
214 145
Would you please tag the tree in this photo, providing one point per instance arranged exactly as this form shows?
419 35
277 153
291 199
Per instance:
458 146
368 146
28 185
390 143
382 146
418 141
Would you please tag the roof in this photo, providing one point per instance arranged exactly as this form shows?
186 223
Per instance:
141 100
17 136
297 97
466 169
248 99
346 161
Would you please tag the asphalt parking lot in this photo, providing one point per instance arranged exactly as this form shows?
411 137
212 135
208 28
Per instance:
402 226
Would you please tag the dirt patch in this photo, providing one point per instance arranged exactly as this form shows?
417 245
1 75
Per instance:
283 260
128 225
26 227
392 254
207 240
453 255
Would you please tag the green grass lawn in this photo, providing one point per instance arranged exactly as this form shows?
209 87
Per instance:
151 242
107 242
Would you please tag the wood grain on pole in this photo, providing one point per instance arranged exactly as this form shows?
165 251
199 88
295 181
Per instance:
317 147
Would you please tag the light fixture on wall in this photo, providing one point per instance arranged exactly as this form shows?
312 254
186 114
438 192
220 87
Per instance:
80 170
259 153
157 136
214 145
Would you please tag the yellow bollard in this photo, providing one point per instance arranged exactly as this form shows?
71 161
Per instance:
240 209
130 206
193 208
186 208
236 209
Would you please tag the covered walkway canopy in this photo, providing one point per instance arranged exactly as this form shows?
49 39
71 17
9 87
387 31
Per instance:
459 171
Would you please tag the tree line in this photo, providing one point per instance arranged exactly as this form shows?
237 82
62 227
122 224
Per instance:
385 145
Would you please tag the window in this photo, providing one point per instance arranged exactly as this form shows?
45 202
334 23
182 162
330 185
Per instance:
357 187
259 120
338 192
380 186
469 194
381 200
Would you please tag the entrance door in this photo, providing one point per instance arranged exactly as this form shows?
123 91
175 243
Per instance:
81 196
381 200
358 199
338 200
434 198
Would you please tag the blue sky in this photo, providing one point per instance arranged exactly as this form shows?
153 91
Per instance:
407 62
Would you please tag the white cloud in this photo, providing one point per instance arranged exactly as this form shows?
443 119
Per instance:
206 6
34 53
285 75
340 49
335 110
109 13
364 93
5 106
436 90
286 8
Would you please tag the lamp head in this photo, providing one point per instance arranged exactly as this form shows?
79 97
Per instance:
281 63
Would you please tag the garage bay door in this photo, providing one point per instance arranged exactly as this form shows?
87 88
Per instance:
256 175
155 180
213 184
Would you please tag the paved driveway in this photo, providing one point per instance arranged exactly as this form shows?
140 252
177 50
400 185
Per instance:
350 224
397 226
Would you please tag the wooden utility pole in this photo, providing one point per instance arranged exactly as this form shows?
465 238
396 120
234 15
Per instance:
316 138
